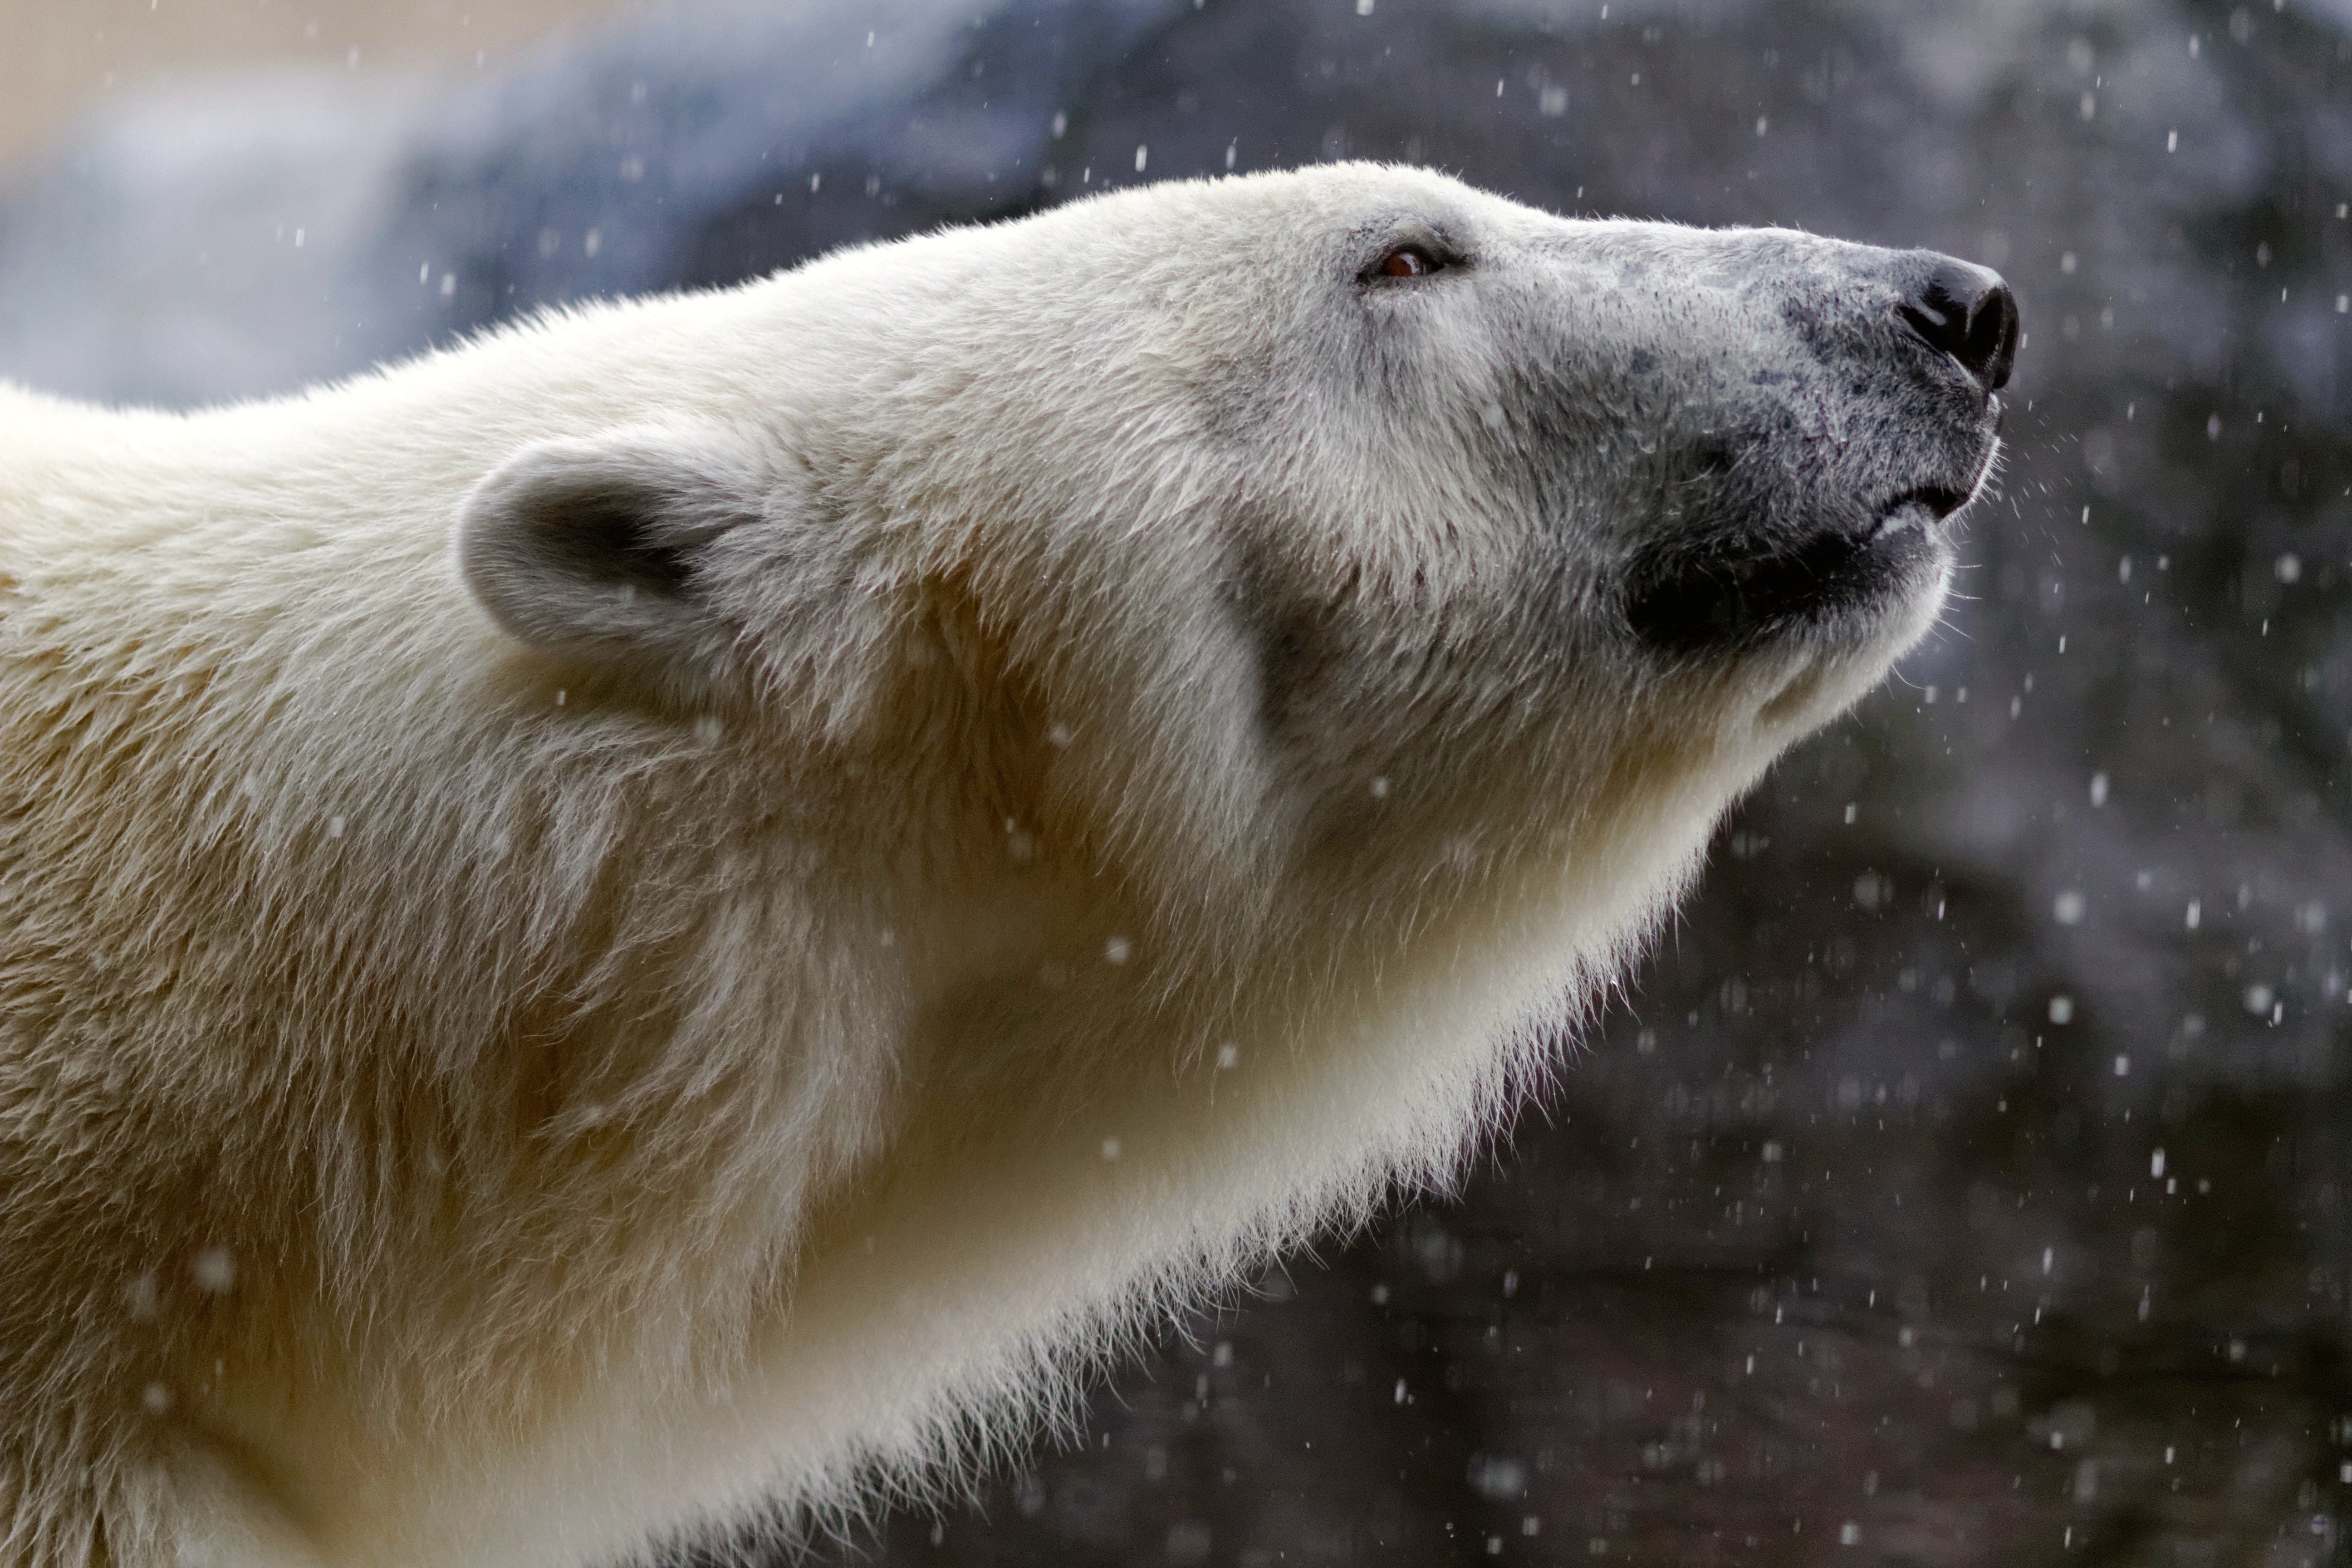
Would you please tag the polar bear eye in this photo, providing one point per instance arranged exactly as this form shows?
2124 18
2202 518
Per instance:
1408 261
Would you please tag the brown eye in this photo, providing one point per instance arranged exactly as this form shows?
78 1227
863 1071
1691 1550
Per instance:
1408 261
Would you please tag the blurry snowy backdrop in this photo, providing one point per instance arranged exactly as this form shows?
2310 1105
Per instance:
1969 1178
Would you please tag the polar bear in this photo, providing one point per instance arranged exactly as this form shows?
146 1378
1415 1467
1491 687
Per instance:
676 914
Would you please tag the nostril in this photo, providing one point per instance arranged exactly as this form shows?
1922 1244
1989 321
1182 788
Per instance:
1968 313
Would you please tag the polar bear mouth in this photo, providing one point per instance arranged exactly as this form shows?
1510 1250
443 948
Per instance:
1727 598
1923 507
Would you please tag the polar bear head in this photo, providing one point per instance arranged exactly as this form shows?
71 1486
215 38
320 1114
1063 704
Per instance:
1343 533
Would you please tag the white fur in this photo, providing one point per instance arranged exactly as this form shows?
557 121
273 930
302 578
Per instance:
503 1064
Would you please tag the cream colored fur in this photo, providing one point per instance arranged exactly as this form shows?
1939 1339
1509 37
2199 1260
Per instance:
1110 769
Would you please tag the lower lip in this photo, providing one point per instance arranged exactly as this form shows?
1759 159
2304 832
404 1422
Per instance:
1911 514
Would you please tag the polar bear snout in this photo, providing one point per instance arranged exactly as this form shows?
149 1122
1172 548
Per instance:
1809 504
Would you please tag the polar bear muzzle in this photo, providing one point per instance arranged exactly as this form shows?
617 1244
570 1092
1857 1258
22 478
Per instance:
1789 531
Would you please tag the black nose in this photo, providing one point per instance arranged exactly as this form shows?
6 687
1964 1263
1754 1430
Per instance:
1968 313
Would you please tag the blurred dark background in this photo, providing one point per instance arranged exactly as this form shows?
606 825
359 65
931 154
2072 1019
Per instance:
1966 1179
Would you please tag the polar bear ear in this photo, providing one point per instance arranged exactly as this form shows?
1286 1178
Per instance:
597 552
